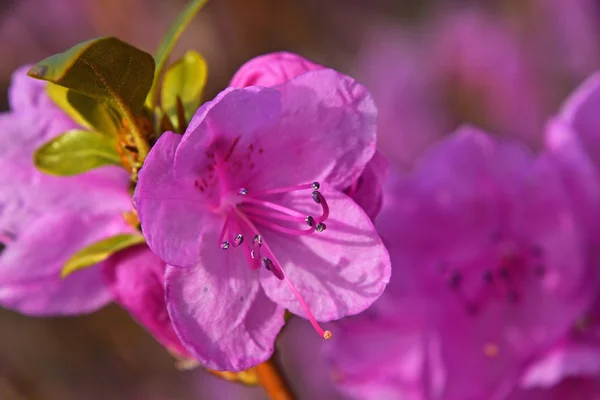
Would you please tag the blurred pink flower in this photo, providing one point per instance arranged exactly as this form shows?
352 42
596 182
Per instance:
45 219
136 278
573 140
241 176
465 65
491 269
572 388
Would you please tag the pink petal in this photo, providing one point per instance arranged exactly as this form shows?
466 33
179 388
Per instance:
30 266
367 190
373 359
272 69
299 351
171 211
576 388
220 312
136 278
319 126
580 110
340 271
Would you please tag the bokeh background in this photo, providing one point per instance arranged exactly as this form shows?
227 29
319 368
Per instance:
504 65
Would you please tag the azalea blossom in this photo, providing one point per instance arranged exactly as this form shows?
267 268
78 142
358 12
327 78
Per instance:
573 140
491 269
45 219
246 208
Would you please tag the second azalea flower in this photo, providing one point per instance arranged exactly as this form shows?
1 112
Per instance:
247 208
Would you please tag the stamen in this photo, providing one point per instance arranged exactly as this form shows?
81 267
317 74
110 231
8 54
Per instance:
290 231
224 243
320 199
249 209
276 207
316 197
274 268
287 189
324 334
239 239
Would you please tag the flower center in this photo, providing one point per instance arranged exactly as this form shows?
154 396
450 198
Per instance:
512 270
247 210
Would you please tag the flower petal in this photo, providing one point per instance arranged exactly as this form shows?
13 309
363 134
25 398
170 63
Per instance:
136 278
319 126
166 206
30 266
272 69
367 191
219 311
580 110
339 272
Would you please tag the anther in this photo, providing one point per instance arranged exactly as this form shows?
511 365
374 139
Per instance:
267 263
243 191
504 274
539 271
316 197
225 245
327 335
238 240
315 186
320 227
309 220
488 276
257 239
275 269
455 280
536 251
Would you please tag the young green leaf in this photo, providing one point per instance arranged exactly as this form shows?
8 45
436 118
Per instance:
99 252
91 114
75 152
58 95
185 79
106 68
168 43
100 116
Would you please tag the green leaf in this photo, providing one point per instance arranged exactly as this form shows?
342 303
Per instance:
185 79
106 68
91 114
58 95
168 43
99 252
100 116
75 152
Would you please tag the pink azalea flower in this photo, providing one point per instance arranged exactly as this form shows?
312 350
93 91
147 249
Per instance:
573 139
491 270
44 219
247 209
464 66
